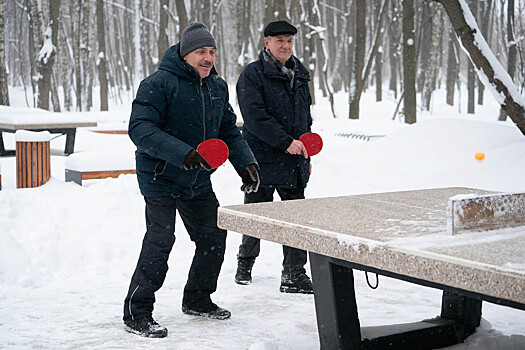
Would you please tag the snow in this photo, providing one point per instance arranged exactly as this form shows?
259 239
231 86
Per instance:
32 136
67 252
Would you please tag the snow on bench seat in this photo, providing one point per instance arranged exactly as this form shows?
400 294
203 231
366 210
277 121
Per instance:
94 165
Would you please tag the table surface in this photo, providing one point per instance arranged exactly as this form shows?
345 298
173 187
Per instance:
401 232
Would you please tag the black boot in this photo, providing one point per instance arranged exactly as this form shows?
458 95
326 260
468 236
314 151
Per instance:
295 280
244 270
211 311
145 326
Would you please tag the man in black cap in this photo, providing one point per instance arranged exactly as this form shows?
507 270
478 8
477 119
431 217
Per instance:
275 100
176 108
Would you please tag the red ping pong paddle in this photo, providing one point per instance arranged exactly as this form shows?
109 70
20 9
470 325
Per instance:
215 152
312 142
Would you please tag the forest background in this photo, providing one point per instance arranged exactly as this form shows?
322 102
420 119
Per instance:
66 53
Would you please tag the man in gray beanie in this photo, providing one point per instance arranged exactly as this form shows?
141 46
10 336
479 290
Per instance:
169 119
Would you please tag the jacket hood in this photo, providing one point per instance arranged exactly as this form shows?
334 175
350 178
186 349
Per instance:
172 62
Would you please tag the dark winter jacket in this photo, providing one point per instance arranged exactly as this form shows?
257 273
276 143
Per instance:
171 114
274 116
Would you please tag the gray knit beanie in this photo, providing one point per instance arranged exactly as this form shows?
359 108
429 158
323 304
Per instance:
195 36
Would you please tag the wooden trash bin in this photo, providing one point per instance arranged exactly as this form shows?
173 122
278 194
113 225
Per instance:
33 159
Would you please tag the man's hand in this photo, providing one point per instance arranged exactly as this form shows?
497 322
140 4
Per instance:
193 160
250 179
297 147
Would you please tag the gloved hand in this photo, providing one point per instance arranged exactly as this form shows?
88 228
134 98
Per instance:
193 160
250 179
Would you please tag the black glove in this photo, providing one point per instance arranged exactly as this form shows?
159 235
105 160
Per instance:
250 179
193 160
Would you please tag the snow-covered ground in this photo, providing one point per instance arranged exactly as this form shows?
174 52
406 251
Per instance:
67 252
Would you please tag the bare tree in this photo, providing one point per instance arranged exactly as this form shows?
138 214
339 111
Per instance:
46 56
101 59
356 85
513 48
452 66
4 93
182 15
409 63
501 85
432 69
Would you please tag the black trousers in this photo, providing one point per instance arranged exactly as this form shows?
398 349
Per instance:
251 246
199 216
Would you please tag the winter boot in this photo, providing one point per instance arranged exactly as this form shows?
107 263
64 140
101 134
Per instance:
211 311
244 271
145 326
295 280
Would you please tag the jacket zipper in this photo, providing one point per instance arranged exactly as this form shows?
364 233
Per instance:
204 132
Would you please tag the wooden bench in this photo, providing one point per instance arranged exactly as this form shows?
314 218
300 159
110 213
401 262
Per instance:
39 120
96 165
404 235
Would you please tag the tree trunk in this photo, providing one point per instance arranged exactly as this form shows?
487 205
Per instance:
356 86
102 61
512 45
4 92
432 69
485 15
501 86
78 64
46 57
379 75
64 66
85 55
471 74
35 36
452 67
183 15
139 72
308 49
163 41
424 41
409 63
393 49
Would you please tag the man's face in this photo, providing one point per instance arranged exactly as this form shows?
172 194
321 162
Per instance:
202 60
280 46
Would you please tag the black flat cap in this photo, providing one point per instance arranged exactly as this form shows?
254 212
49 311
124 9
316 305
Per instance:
279 28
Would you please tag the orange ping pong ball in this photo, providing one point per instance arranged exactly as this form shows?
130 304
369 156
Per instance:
479 156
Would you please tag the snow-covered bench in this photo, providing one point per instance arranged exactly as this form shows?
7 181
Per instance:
94 165
39 120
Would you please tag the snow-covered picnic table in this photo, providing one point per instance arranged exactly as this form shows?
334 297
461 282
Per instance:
397 234
40 120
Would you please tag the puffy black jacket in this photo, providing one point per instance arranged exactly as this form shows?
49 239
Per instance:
274 116
171 114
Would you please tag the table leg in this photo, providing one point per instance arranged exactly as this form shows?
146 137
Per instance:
3 152
464 310
335 304
70 141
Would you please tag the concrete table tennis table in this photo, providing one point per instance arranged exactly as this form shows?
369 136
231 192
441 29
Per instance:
397 234
44 121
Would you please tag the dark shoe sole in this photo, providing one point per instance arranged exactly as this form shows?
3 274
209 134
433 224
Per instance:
162 334
210 315
287 289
